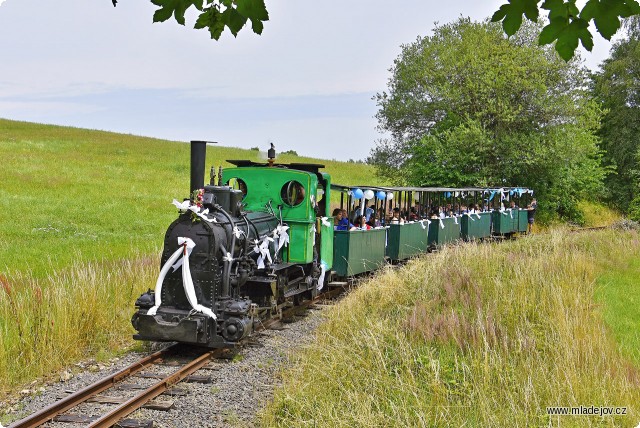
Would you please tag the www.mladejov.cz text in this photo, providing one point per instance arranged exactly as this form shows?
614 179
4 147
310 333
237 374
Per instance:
586 410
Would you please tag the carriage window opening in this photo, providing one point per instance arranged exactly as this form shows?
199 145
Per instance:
292 193
238 184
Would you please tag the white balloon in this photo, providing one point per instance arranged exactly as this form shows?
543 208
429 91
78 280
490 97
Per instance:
368 194
389 195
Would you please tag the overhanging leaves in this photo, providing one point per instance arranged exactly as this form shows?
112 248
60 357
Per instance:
177 8
217 14
567 24
511 14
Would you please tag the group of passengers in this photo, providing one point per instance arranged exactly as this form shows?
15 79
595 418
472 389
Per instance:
366 221
370 217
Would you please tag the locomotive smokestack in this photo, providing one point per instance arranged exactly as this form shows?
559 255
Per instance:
198 157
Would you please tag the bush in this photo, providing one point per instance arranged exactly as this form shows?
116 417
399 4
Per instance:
634 209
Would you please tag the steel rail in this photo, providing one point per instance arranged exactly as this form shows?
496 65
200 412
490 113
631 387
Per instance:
153 391
78 397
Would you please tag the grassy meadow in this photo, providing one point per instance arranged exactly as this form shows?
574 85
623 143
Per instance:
478 336
66 192
83 216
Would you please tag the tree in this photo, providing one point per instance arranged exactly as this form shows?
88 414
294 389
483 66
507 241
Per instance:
617 87
567 24
470 107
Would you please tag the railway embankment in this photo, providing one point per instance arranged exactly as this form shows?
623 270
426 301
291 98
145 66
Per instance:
479 335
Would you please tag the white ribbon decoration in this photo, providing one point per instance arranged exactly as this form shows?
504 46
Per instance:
182 206
323 270
186 246
256 246
262 248
163 274
280 233
422 223
441 224
511 213
469 215
455 219
228 258
237 232
203 215
325 221
187 283
478 215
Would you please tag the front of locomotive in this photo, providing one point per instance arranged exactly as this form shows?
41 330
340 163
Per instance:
207 258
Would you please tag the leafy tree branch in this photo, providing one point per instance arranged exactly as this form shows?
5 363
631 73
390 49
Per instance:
215 15
567 24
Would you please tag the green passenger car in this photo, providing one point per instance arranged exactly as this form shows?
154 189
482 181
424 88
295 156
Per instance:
444 231
358 251
475 226
406 240
514 216
502 223
523 221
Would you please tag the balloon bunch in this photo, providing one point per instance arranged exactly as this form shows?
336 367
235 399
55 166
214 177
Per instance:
369 194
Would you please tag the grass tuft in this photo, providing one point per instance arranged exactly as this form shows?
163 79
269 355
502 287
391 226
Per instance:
47 323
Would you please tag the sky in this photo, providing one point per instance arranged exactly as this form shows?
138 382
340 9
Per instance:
306 84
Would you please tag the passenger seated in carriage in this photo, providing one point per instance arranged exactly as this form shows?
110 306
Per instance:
339 221
395 217
361 223
381 217
373 221
369 211
413 215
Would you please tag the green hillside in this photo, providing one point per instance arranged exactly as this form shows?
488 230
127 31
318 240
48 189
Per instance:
69 193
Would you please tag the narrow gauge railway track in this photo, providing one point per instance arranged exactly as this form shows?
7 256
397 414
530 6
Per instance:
113 415
116 415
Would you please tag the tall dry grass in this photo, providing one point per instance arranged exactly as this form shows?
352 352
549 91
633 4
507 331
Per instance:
82 311
475 336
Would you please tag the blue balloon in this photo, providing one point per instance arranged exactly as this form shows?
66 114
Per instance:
381 195
358 193
511 192
447 194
